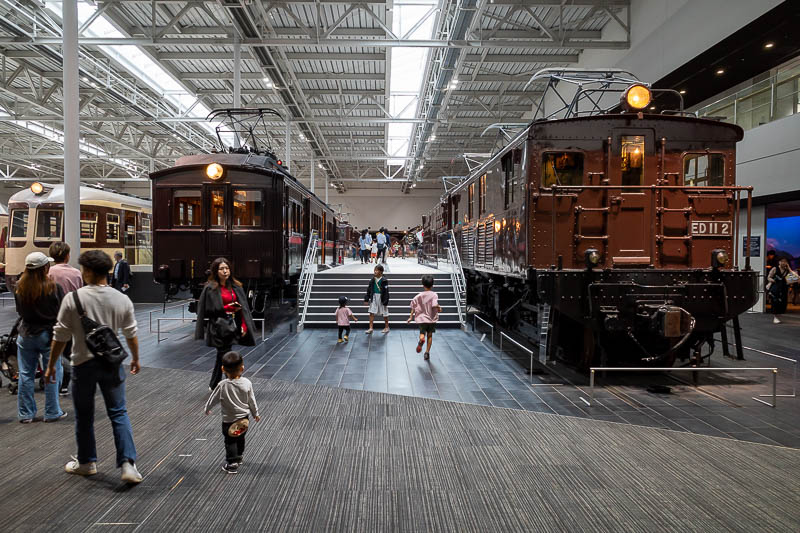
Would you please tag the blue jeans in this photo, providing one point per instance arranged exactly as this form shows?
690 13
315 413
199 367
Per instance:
85 379
28 351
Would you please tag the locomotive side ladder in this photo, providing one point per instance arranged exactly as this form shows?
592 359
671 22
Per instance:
307 278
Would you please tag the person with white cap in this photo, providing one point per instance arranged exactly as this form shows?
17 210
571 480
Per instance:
38 300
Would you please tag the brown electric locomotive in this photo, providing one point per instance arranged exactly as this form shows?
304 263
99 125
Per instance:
241 204
606 235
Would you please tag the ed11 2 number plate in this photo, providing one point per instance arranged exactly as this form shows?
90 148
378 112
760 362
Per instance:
712 227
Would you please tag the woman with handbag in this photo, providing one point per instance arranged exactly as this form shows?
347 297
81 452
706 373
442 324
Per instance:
224 305
778 287
38 299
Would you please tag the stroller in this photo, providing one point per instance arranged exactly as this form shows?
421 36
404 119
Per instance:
8 361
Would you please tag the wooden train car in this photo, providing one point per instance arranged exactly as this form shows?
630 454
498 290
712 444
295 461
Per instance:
609 238
241 206
109 221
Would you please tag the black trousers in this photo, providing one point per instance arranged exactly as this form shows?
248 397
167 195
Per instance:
234 446
66 363
216 372
345 329
382 254
365 256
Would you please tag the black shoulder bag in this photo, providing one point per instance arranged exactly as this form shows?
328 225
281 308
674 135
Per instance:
101 340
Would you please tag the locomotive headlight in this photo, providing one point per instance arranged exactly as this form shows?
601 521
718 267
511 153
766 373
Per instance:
592 257
637 97
37 188
214 171
719 258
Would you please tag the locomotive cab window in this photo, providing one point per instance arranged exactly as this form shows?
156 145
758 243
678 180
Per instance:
482 195
471 201
562 168
216 209
632 159
247 208
704 170
48 224
88 226
186 207
19 223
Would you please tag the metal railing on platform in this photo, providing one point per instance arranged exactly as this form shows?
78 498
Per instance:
306 281
521 347
687 369
476 317
457 277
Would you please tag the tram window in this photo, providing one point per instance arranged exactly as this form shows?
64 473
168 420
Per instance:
186 207
482 195
112 228
704 170
562 168
19 223
471 202
247 207
217 207
88 225
48 224
632 160
146 231
508 179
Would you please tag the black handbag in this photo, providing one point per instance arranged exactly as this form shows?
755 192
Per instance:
101 340
224 328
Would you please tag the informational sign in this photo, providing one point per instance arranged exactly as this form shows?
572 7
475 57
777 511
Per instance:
712 227
755 245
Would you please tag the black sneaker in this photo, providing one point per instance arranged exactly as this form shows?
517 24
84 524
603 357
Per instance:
231 468
427 356
63 392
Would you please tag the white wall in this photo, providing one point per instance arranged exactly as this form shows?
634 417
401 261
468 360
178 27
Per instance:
376 208
768 158
758 228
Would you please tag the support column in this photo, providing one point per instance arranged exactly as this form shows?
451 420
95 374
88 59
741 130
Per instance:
287 157
313 164
237 80
327 186
72 179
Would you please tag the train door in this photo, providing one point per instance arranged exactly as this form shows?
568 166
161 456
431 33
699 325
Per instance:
630 218
217 223
252 246
323 235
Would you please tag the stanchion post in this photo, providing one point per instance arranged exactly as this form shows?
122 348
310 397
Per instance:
591 386
774 388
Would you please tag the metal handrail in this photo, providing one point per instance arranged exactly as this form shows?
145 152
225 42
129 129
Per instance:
457 277
307 277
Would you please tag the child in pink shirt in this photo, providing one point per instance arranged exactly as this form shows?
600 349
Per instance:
425 306
343 316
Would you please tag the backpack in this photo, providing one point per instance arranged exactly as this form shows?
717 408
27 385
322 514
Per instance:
100 339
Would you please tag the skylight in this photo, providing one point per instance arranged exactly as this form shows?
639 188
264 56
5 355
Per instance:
138 63
407 72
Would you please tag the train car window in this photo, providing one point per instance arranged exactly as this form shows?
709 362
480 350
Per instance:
88 225
186 207
112 228
704 170
19 223
508 179
247 207
516 178
48 224
471 202
482 195
632 159
216 212
562 168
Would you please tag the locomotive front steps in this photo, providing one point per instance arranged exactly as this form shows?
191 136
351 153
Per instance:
328 286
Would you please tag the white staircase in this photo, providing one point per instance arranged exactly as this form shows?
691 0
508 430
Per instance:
328 286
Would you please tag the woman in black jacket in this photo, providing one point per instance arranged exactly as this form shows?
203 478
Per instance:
38 300
377 298
224 305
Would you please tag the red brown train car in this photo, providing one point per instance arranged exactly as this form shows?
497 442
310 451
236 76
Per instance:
241 206
608 237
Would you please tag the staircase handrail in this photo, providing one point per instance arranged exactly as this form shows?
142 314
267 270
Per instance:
457 277
307 276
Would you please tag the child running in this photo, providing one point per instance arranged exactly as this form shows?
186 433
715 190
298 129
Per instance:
343 316
235 395
425 306
377 298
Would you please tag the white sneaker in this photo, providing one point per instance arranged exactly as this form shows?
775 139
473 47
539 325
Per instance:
385 330
130 474
368 332
776 320
85 469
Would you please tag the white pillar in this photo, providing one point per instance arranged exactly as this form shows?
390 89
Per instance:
72 179
237 73
313 164
327 186
287 157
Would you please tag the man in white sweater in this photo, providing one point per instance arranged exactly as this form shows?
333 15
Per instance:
109 307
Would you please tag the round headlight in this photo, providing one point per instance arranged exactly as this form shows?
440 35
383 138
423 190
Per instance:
37 188
638 97
214 171
722 258
594 258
